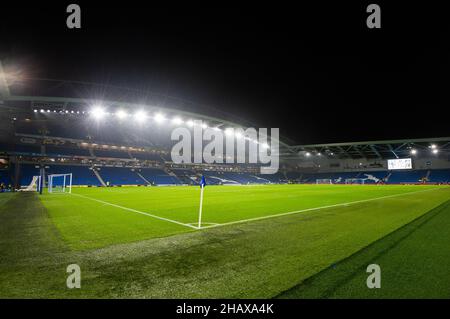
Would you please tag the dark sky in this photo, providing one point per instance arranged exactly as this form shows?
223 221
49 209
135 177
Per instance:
316 72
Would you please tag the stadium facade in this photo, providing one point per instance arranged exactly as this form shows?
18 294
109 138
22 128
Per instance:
48 128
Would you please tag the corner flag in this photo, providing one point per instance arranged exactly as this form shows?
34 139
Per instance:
202 187
203 182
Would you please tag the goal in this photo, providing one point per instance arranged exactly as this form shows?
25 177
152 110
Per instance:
359 181
324 181
35 185
60 183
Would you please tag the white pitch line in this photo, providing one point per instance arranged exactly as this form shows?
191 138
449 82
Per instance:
136 211
314 208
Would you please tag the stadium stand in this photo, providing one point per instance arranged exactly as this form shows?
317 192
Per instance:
81 175
110 153
404 177
27 171
5 177
158 176
146 156
439 176
120 176
20 148
65 151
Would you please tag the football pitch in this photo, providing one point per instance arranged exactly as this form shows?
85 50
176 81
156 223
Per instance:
261 241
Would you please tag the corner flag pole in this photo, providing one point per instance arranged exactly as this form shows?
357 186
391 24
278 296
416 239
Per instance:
202 187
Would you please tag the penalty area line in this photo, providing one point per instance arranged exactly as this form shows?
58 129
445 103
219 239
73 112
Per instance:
313 209
136 211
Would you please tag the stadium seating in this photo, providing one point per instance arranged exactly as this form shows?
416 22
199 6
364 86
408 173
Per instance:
159 177
66 151
439 176
81 175
186 176
5 177
407 176
27 171
147 156
120 176
21 148
111 153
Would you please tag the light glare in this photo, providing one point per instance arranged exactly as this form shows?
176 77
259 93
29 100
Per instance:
177 121
159 117
121 114
97 112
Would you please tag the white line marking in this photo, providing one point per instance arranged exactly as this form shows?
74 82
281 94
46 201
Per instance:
136 211
314 208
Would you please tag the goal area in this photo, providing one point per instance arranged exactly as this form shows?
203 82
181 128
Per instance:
60 183
324 181
359 181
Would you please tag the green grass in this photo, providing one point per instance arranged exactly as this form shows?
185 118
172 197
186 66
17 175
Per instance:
124 254
86 224
414 263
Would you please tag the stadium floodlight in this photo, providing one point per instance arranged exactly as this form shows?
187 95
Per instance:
121 114
42 111
35 111
159 117
177 120
413 151
140 116
435 151
433 146
265 146
190 123
217 129
204 126
48 111
308 154
97 112
238 135
319 154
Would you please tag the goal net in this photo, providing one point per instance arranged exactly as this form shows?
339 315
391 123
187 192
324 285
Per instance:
60 183
324 181
35 185
355 181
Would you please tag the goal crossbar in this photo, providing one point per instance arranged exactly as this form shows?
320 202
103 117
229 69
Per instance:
60 183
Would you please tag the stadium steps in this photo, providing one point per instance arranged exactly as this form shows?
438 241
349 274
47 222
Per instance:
99 177
169 172
143 178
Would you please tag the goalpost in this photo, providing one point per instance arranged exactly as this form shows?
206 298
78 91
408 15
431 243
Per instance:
324 181
35 185
60 183
360 181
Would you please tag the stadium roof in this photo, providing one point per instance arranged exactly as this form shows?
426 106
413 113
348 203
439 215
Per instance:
377 149
54 94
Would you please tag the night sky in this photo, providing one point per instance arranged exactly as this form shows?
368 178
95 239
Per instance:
317 73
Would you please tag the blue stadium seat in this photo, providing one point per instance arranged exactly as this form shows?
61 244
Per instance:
120 176
158 176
